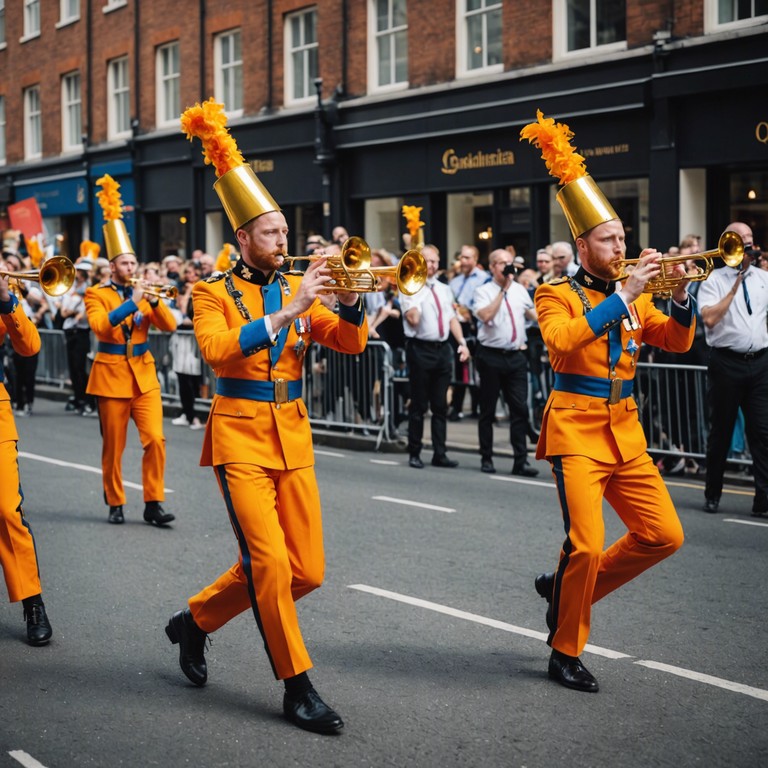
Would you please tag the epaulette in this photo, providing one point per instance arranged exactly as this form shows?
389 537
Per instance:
558 281
215 277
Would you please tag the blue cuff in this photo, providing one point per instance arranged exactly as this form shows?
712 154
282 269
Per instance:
254 337
606 314
353 314
126 309
6 307
682 315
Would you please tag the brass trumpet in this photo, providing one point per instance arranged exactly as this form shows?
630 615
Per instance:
55 276
160 290
351 270
730 248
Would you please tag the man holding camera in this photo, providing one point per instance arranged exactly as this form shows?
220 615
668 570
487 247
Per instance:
502 306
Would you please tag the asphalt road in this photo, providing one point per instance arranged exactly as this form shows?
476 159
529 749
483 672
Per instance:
427 635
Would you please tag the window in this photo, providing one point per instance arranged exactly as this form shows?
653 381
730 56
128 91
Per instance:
2 23
168 78
479 37
119 108
229 72
33 127
31 19
69 12
583 25
301 50
2 130
71 112
389 30
733 13
113 5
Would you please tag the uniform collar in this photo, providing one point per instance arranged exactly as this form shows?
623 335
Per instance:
251 275
582 277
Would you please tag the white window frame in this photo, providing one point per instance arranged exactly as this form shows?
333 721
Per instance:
375 36
31 17
228 72
560 35
113 5
462 63
167 113
712 23
71 112
33 123
2 25
118 92
3 156
69 12
304 48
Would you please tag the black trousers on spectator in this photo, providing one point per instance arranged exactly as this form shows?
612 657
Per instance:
430 367
734 380
189 391
24 390
78 347
504 372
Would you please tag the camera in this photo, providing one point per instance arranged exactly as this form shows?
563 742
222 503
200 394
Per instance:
753 252
509 269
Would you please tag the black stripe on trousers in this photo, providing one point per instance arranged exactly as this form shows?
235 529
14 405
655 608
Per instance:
557 470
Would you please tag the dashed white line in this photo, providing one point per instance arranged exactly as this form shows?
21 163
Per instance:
522 481
387 462
409 503
329 453
26 760
745 522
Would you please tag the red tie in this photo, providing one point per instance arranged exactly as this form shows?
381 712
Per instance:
439 312
511 319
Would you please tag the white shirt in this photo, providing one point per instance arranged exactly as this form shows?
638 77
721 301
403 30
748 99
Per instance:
738 330
497 332
428 328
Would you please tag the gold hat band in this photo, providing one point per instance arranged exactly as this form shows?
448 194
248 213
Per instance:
243 196
584 205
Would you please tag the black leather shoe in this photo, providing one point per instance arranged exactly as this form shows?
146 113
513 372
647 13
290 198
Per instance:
116 515
487 467
444 461
38 627
154 513
525 470
570 672
710 505
759 512
182 629
455 416
311 713
415 462
545 587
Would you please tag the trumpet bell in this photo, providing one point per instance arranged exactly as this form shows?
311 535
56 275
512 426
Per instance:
355 253
55 276
411 272
731 248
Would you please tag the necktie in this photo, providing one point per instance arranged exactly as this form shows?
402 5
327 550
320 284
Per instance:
511 320
439 312
746 294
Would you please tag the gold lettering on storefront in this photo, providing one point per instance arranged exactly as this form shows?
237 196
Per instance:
262 166
453 163
610 149
761 132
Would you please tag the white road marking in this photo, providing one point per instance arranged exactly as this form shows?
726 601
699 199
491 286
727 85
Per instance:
718 682
81 467
523 481
745 522
409 503
330 453
388 462
26 760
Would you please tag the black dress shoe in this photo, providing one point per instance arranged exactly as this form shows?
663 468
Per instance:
455 416
487 467
38 627
545 587
415 462
570 672
116 515
182 629
444 461
710 505
154 513
525 470
311 713
759 512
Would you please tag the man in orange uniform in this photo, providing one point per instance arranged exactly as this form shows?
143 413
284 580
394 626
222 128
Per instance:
254 325
17 546
593 327
124 379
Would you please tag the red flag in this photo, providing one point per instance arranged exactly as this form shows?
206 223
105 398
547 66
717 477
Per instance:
26 217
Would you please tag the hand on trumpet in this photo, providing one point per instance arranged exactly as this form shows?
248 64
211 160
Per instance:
5 289
648 267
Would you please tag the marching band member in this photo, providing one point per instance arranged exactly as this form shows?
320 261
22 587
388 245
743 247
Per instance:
17 545
254 325
590 433
123 377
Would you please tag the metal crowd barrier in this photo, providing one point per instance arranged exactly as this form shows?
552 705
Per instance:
366 394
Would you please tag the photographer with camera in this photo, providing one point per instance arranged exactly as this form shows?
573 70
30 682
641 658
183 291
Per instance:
502 306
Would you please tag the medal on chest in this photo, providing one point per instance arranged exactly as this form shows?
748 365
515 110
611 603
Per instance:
631 324
302 325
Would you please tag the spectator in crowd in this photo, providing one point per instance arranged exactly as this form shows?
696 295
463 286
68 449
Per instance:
428 319
502 307
733 303
172 267
339 235
544 265
563 259
207 264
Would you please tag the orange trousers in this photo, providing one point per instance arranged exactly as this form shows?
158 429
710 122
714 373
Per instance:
276 517
17 546
586 572
146 410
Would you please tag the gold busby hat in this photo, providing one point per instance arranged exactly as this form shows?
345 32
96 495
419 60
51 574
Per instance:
116 238
583 203
241 193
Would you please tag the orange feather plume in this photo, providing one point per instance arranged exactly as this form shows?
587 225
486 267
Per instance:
413 219
208 122
109 198
554 141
